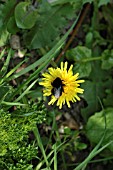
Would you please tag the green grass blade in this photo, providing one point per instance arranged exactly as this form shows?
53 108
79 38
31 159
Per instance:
37 135
2 54
48 156
12 103
6 64
93 153
55 158
7 76
26 91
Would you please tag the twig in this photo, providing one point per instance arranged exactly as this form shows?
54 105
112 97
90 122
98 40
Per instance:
82 16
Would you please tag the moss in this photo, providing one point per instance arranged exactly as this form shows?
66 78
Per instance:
17 149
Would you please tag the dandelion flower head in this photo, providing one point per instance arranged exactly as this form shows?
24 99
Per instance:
61 85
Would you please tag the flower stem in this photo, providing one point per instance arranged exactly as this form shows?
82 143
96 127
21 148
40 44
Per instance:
92 59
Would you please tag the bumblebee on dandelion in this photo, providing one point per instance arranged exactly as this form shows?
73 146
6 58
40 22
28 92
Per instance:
61 85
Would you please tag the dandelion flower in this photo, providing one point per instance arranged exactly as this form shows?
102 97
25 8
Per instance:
61 85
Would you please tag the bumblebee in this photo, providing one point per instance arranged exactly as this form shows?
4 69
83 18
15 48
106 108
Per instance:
57 87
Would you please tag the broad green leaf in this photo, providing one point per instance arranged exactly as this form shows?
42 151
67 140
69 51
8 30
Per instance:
108 101
94 90
6 11
107 60
98 74
25 16
3 36
49 25
103 2
96 126
89 39
80 56
11 26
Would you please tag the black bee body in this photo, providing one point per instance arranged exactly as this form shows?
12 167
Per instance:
57 87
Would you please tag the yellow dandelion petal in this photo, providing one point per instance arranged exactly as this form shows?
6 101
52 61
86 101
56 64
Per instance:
61 85
67 100
47 92
76 76
70 69
51 70
52 101
46 75
80 81
62 66
78 98
74 100
65 66
79 90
